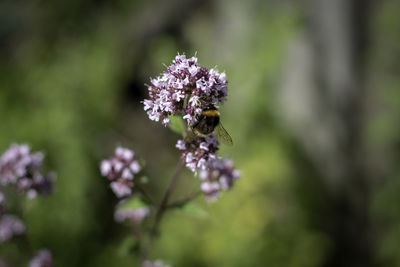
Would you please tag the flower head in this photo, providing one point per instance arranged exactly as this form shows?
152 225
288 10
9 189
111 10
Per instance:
20 166
184 89
10 225
121 170
219 175
199 152
17 162
42 259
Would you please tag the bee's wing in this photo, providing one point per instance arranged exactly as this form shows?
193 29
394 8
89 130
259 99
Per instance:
223 135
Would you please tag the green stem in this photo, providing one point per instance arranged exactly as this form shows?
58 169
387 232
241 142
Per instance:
163 207
164 203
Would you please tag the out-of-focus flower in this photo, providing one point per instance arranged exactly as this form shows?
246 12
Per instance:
157 263
199 153
135 215
10 225
120 170
122 187
184 89
20 166
16 162
219 175
211 190
42 259
37 184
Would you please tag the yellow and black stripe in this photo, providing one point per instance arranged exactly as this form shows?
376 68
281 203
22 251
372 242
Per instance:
211 113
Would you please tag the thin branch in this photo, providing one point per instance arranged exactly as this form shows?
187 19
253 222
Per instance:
163 206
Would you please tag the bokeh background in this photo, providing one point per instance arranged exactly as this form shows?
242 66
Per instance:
313 108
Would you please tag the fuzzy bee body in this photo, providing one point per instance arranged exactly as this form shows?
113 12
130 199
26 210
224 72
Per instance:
208 122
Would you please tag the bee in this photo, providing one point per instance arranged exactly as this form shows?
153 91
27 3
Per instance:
208 122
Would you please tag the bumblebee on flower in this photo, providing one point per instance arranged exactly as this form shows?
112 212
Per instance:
193 92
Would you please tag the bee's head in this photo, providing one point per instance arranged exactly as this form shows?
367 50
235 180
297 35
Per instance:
210 107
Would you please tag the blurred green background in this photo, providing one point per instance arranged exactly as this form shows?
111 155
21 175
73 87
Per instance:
313 109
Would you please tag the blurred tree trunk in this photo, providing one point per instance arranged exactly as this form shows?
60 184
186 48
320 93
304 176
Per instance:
324 87
339 36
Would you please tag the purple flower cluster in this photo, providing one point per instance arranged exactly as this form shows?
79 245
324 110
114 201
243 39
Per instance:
135 215
184 89
157 263
42 259
199 153
220 175
120 170
20 166
10 225
216 173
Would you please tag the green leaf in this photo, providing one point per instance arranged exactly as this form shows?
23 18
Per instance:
177 124
132 203
194 209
